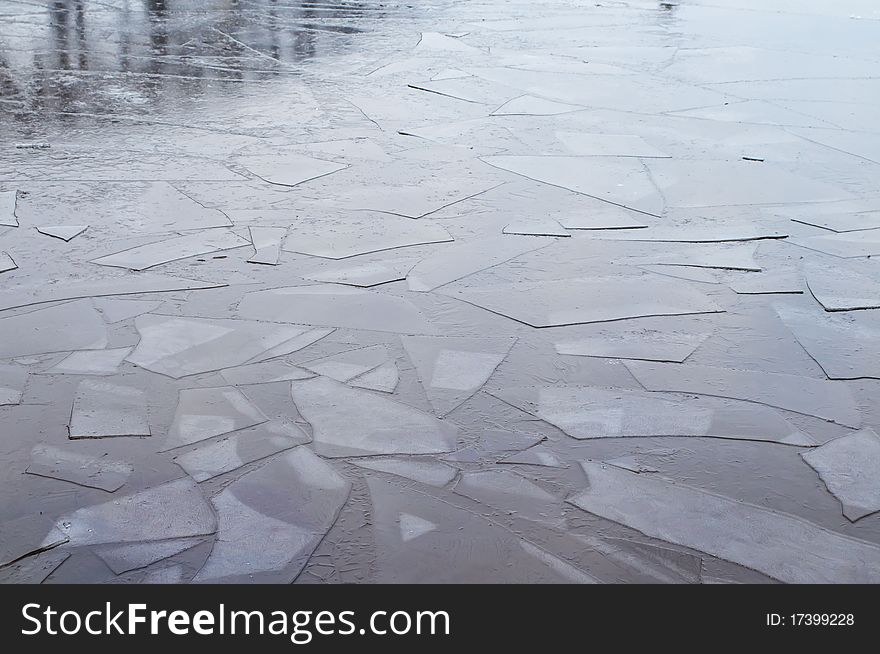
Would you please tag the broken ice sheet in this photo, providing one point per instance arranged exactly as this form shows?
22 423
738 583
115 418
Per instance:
240 448
104 410
843 222
6 263
632 463
705 232
688 273
451 369
78 468
432 473
821 398
179 346
536 227
348 365
784 547
57 290
585 412
351 422
661 564
263 373
579 301
63 328
118 310
623 182
175 509
421 539
7 208
539 455
383 379
845 348
337 306
529 105
767 283
12 381
271 519
848 466
363 275
462 259
468 89
288 169
435 41
63 232
608 145
512 494
206 412
491 444
91 362
839 289
173 249
267 244
721 257
34 569
647 346
21 535
121 558
362 232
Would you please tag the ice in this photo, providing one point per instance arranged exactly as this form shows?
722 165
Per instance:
263 373
338 307
175 509
206 412
785 547
78 468
147 256
577 301
271 519
845 349
289 169
584 412
7 263
740 258
179 346
460 260
843 222
131 556
707 233
493 444
412 526
656 563
72 290
364 275
539 455
608 145
12 381
432 473
107 410
34 569
20 536
536 227
91 362
529 105
63 328
624 182
848 466
351 422
652 346
348 365
839 289
7 208
632 463
848 245
240 448
821 398
452 369
362 232
565 570
436 42
383 379
118 310
511 494
768 283
64 232
267 244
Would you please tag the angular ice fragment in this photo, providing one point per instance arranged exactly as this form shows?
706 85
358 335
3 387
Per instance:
104 410
206 412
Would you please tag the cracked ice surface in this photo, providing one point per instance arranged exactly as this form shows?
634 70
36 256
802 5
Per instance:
382 279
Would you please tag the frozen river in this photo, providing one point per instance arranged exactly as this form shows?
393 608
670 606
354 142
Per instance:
490 291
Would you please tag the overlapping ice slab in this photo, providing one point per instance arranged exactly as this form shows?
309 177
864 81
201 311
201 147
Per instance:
452 369
821 398
63 232
585 412
175 509
91 362
840 289
7 208
118 310
578 301
652 346
341 306
271 519
180 247
107 410
383 379
62 328
784 547
207 412
289 169
351 422
424 471
267 244
348 365
130 556
78 467
179 346
363 275
849 467
12 381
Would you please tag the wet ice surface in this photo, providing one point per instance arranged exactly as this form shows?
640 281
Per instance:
361 292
